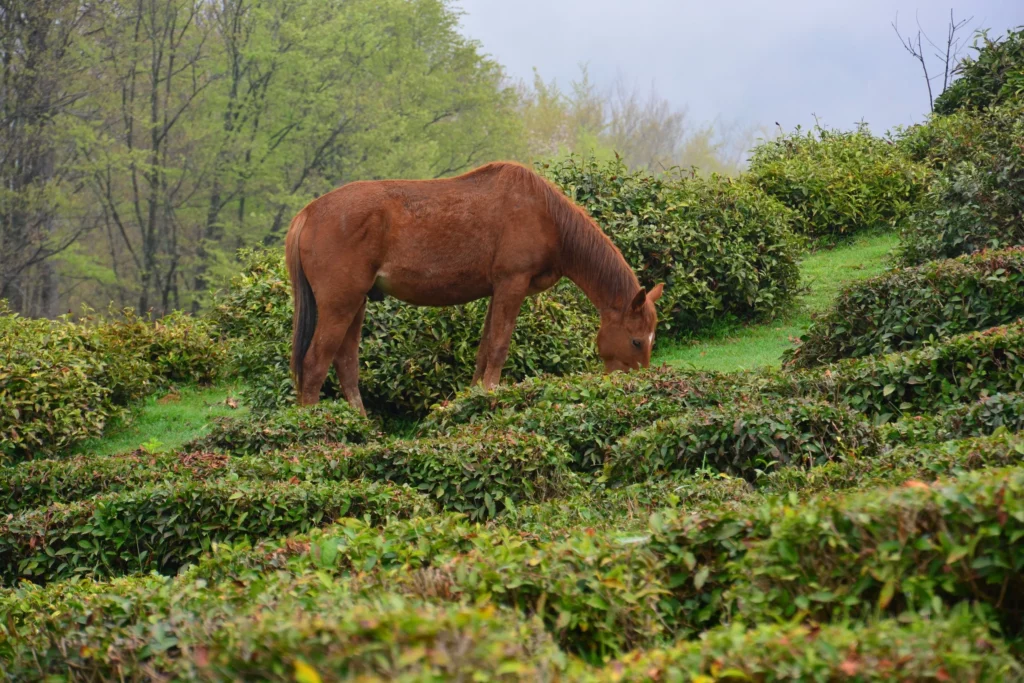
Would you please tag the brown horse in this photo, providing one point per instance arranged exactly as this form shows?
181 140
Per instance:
500 231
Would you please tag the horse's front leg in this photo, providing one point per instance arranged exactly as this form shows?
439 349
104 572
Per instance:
346 361
505 305
481 353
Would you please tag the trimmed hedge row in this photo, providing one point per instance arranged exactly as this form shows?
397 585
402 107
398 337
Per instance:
921 462
909 307
627 509
39 483
476 472
957 370
328 422
990 413
742 439
590 413
62 380
476 404
162 527
600 594
954 649
290 633
300 634
916 548
838 183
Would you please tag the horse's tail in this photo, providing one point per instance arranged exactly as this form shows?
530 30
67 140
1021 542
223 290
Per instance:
304 318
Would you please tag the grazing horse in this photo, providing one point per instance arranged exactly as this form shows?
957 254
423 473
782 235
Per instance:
500 231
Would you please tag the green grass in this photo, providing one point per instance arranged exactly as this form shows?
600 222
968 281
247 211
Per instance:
824 273
164 423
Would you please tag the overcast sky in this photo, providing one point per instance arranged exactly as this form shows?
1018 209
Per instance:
755 62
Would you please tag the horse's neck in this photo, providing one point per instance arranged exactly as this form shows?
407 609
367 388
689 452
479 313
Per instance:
593 263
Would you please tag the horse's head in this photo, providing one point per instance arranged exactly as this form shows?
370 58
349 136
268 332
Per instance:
626 337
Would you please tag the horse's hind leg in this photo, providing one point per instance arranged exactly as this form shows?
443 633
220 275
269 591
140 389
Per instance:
332 325
346 361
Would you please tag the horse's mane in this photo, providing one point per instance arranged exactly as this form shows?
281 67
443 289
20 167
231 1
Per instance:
587 252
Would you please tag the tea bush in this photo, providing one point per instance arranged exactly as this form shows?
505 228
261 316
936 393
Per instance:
38 483
995 75
599 592
909 307
410 357
724 250
585 414
162 527
958 648
62 381
957 370
924 462
974 201
50 396
291 634
990 413
476 472
921 548
476 405
742 439
328 422
838 183
589 413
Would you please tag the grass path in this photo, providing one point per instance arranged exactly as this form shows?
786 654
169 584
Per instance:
164 423
824 273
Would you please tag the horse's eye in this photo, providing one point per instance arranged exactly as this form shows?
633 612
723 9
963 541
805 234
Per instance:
636 343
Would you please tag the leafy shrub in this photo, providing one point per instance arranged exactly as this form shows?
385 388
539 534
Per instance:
958 648
62 381
908 307
976 198
994 76
595 592
742 439
328 422
628 508
410 357
162 527
916 548
586 413
724 250
918 462
50 399
957 370
289 634
476 405
39 483
476 472
990 413
185 349
838 183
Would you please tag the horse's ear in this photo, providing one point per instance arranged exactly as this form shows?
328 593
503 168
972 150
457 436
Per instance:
638 300
655 293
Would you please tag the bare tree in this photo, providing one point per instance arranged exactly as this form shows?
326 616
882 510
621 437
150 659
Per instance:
946 54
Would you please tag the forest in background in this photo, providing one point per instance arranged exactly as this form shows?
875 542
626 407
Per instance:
143 142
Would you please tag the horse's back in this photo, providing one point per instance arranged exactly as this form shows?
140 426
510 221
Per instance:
435 242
